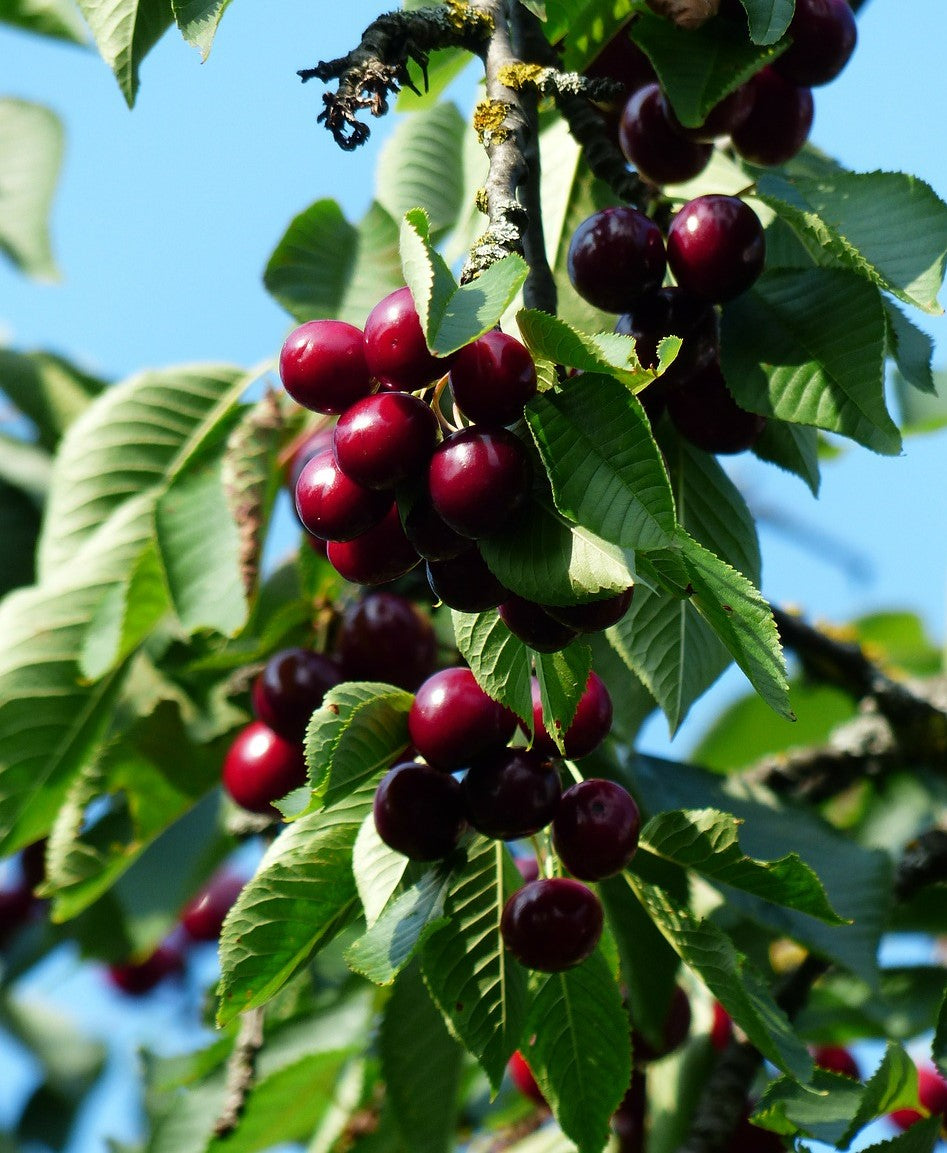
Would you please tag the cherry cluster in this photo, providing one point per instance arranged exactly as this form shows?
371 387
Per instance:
465 773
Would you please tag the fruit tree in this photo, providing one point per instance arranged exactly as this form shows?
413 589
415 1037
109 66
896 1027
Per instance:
393 777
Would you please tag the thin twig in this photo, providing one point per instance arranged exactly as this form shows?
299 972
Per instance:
241 1071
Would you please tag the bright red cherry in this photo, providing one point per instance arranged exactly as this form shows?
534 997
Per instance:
595 616
552 924
595 829
522 1077
332 506
824 34
203 917
322 365
261 766
672 312
590 725
931 1092
721 1027
381 554
384 637
511 793
452 720
652 142
139 977
419 811
291 687
716 247
614 256
779 120
535 626
477 478
837 1059
493 378
384 439
465 583
705 412
395 349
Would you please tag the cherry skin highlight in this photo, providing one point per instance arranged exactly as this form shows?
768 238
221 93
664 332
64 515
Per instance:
419 812
614 256
395 350
384 637
595 829
511 793
492 379
477 478
652 142
452 720
381 554
261 766
384 439
332 506
552 924
716 247
779 120
322 365
291 687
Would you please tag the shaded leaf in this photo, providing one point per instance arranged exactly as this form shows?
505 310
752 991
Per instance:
421 166
125 31
31 145
47 389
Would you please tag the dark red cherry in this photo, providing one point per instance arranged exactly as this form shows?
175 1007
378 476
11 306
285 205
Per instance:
705 412
291 687
477 478
384 439
452 720
522 1077
677 1025
590 725
261 766
652 143
779 120
433 539
595 616
721 120
384 637
419 811
837 1059
139 977
465 583
614 256
395 348
672 312
16 907
511 793
552 924
381 554
33 864
595 829
322 365
749 1138
621 59
332 506
716 247
824 34
203 917
493 378
535 626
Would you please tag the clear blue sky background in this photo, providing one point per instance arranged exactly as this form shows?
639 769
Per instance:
166 216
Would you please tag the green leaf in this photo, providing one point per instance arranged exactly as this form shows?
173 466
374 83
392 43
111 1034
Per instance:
326 267
911 349
125 31
768 19
609 353
707 841
939 1044
579 1049
198 21
421 166
605 469
47 389
562 679
922 1137
729 976
889 228
792 447
378 870
391 942
498 660
698 67
303 893
453 316
423 1089
808 346
476 984
31 146
443 67
922 412
56 18
19 530
842 1007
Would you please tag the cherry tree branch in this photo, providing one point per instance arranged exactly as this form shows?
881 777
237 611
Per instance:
241 1071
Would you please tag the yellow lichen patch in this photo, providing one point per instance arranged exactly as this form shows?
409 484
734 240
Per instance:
519 75
463 15
481 201
488 119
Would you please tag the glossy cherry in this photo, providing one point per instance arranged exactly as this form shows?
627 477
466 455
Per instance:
418 811
511 793
203 917
381 554
332 506
595 829
395 349
779 120
716 247
652 142
837 1059
311 446
522 1077
452 720
493 378
291 687
535 626
552 924
139 977
824 34
261 766
477 478
384 637
384 439
672 312
594 616
465 582
932 1094
614 256
705 412
590 725
323 367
